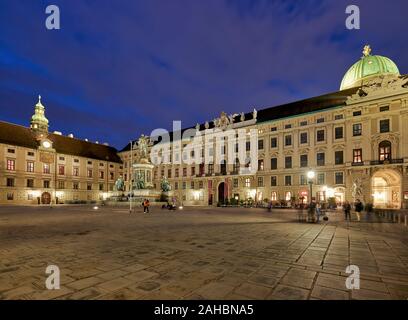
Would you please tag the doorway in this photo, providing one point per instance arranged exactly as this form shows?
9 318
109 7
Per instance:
45 198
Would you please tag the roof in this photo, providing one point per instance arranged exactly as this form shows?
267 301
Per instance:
326 101
25 137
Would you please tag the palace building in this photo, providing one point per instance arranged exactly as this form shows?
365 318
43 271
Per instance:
39 167
355 141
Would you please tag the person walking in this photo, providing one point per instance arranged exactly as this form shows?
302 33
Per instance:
144 205
347 208
358 206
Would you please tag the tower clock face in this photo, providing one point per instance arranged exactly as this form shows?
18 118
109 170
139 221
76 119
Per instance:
46 144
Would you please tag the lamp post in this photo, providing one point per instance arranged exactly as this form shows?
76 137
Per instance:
310 177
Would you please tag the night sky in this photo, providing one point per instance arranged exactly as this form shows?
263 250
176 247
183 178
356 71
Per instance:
117 69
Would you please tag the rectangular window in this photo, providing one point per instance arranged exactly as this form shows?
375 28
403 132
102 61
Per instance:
338 157
288 180
303 123
338 117
288 140
89 173
303 160
61 185
338 178
46 184
30 154
260 144
356 113
320 120
175 185
76 160
273 181
184 185
10 182
303 179
193 171
260 165
384 108
235 183
75 171
210 168
320 135
101 187
184 172
89 186
61 170
11 150
274 129
260 182
62 158
11 165
112 175
338 133
274 163
274 142
192 185
384 125
303 137
75 185
357 155
357 129
320 178
274 196
201 185
30 166
10 196
320 159
288 126
248 146
288 162
46 168
101 174
247 182
30 183
176 172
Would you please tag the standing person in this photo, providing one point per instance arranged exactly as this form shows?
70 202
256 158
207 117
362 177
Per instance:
147 205
358 206
318 208
347 208
144 205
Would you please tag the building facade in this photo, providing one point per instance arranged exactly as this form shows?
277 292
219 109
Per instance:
39 167
355 140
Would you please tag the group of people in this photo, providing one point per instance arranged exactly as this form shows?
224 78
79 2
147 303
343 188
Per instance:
358 207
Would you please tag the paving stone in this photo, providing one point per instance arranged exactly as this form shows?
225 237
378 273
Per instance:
325 293
283 292
253 291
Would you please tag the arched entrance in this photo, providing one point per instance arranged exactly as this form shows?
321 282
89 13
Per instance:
221 192
45 198
386 189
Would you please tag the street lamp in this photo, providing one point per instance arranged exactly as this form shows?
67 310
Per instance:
310 177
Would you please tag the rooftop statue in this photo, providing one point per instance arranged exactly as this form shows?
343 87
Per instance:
143 143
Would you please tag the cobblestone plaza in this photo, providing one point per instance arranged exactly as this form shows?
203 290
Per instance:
197 253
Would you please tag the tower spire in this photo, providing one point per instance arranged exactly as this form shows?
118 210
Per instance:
38 120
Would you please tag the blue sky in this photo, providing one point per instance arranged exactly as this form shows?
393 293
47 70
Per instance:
117 69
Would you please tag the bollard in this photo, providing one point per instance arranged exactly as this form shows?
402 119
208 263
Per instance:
405 220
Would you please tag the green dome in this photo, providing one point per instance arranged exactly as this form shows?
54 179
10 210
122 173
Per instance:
368 66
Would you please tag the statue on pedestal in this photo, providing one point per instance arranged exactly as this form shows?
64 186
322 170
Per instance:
120 184
165 185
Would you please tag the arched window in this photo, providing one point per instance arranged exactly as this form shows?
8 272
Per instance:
384 151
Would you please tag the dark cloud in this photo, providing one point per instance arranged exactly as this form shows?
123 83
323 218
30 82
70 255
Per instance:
119 69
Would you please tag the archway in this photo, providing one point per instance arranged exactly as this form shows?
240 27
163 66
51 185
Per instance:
45 198
386 189
221 192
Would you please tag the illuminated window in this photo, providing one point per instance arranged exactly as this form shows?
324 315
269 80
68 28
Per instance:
384 151
61 170
357 155
30 166
11 165
75 171
288 195
46 168
247 182
89 173
274 196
